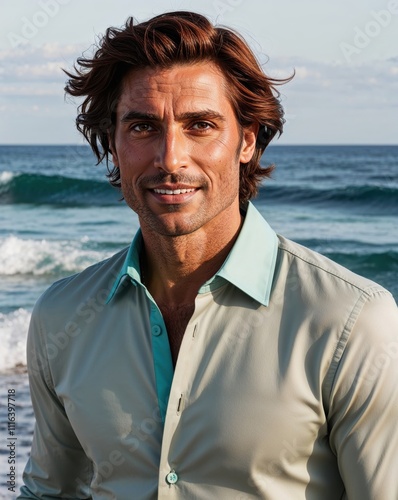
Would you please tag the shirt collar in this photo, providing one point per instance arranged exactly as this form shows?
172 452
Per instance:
251 263
249 266
131 265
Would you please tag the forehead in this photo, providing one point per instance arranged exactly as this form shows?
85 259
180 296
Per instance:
188 85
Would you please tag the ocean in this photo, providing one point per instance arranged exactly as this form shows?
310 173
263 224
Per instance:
58 215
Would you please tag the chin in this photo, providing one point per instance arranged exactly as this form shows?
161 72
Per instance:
174 224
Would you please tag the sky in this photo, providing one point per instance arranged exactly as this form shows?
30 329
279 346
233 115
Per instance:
344 53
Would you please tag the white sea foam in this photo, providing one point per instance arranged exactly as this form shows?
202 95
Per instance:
39 257
13 333
6 177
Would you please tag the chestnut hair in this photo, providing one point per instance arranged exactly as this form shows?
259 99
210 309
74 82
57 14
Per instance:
165 40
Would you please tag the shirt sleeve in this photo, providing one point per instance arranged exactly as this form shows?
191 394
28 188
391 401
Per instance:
363 411
58 466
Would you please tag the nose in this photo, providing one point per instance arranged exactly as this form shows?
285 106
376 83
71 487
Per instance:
171 154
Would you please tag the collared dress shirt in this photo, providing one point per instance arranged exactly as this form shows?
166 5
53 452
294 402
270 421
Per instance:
285 387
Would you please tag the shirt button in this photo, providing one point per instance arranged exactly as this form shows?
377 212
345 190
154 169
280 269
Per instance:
156 330
172 477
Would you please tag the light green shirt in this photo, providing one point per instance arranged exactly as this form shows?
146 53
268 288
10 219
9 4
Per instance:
285 387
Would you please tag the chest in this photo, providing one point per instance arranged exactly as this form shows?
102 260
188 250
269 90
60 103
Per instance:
176 320
238 399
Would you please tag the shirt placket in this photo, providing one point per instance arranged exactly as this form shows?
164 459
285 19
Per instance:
162 359
170 476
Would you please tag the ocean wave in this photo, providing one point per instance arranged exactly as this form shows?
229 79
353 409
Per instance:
13 332
370 199
45 257
6 177
362 257
37 189
373 262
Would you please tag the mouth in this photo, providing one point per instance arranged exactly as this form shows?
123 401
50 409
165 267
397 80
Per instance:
177 194
174 191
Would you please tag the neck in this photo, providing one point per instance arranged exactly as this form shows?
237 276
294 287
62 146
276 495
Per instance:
174 268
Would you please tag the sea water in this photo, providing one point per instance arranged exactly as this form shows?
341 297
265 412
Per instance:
58 215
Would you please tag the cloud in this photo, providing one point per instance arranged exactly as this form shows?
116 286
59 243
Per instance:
371 83
32 90
36 71
47 71
45 52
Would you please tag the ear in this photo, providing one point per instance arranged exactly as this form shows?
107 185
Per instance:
248 142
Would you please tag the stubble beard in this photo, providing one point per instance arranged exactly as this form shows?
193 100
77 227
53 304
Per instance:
172 226
159 222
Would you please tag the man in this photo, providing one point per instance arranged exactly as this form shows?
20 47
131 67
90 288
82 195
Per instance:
212 359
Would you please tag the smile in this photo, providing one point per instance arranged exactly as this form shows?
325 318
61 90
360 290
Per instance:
173 191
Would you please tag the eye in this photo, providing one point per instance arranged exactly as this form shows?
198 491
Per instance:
202 126
141 127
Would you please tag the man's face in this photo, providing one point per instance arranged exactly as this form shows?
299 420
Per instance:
178 146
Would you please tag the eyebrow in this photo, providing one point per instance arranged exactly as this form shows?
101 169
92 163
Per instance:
137 115
207 114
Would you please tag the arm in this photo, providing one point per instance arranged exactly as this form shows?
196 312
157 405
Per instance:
363 413
58 466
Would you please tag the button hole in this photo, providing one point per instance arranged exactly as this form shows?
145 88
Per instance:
179 407
194 331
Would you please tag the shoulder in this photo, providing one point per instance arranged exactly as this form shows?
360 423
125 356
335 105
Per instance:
316 270
95 282
321 292
336 310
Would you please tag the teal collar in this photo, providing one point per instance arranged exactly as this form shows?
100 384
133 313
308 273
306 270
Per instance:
131 265
249 266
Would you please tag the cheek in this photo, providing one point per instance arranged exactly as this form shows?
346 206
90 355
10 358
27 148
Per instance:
132 161
223 178
219 154
223 159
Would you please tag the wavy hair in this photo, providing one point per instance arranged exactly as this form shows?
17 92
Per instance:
165 40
